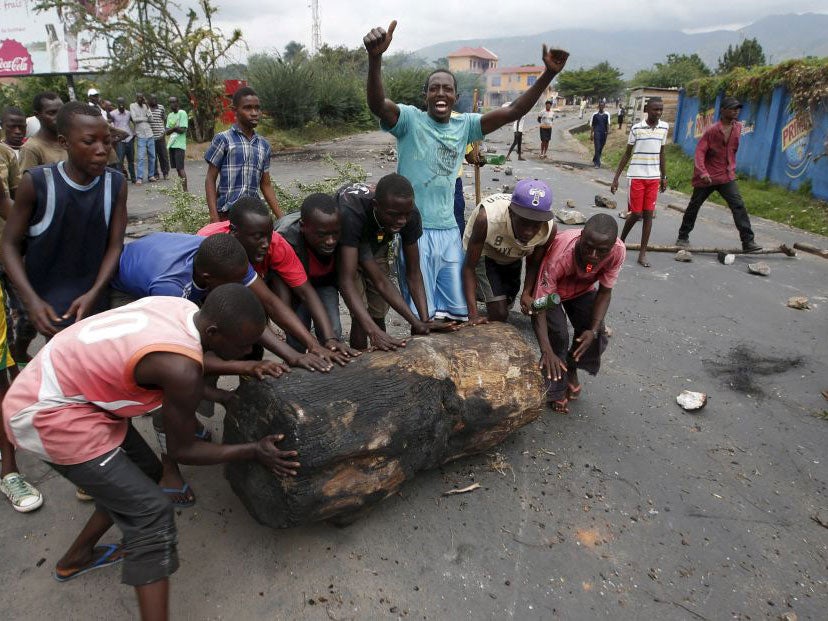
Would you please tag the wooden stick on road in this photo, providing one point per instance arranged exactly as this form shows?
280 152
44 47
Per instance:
476 151
783 249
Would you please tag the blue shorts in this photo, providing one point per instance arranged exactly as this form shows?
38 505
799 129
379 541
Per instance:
441 262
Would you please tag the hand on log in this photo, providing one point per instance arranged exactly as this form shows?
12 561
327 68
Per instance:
383 341
264 368
310 362
329 356
335 345
279 462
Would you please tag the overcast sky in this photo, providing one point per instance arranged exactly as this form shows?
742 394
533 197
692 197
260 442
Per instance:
270 24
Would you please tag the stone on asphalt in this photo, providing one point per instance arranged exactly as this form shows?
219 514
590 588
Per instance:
570 216
683 256
507 171
799 302
691 401
761 268
725 258
570 203
603 201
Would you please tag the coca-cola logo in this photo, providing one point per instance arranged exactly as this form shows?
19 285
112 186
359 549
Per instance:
14 58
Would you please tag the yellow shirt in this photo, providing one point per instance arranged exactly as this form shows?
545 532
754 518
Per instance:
500 245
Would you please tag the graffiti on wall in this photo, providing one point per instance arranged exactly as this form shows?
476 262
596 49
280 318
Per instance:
795 139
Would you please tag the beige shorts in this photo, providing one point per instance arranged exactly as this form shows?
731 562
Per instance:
376 304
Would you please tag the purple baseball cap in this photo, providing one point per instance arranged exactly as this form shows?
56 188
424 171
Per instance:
532 199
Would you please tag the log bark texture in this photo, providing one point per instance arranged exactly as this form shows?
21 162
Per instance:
363 430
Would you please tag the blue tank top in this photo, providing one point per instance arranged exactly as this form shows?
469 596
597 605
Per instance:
68 234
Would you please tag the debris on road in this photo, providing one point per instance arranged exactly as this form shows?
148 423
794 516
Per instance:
462 490
799 302
507 171
691 401
683 256
781 249
570 203
820 252
603 201
675 207
570 216
603 182
820 518
726 258
761 268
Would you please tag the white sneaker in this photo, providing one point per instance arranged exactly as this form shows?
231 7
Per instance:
23 496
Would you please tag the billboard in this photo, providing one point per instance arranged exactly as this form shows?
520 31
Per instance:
52 41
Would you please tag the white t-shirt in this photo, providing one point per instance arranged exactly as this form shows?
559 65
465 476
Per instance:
545 117
647 142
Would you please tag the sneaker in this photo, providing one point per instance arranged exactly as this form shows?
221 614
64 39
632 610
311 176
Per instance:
81 494
684 242
24 497
751 247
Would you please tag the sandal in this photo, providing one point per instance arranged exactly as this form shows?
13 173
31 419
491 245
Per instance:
182 497
560 407
102 556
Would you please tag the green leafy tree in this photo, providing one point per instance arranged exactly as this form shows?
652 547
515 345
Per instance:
288 91
295 52
152 39
406 85
747 54
602 80
677 71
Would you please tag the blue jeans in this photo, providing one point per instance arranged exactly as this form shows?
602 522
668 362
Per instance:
146 145
330 300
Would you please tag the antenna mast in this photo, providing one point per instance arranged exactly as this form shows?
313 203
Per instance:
316 37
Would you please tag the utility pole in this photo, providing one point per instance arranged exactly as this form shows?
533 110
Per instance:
316 37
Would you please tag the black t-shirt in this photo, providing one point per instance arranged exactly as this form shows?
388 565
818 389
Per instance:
360 228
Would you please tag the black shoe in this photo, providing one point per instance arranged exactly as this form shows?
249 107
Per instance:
684 242
751 247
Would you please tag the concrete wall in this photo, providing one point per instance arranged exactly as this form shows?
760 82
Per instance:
776 145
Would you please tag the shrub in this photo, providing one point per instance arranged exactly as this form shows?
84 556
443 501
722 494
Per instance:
187 213
288 91
291 196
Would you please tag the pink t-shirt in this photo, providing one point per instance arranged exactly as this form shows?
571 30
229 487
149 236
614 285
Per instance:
280 257
560 273
71 403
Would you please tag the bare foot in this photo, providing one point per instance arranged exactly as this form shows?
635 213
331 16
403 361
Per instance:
642 261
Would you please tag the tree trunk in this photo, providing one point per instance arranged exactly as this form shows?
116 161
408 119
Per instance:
363 430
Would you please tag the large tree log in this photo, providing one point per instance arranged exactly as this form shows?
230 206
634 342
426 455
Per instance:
364 429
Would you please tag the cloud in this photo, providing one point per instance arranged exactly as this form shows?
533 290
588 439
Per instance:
270 26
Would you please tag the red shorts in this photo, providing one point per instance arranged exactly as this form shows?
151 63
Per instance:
643 194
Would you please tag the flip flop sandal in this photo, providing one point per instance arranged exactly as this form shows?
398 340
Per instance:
204 434
573 392
560 407
102 557
185 490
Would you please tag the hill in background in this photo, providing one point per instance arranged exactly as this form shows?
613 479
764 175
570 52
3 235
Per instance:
781 36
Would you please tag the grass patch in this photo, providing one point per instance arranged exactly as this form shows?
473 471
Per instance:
763 199
314 131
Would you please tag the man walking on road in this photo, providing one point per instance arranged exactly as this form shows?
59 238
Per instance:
599 125
176 130
714 170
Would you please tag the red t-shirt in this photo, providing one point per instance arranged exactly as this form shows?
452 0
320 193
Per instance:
318 269
560 273
280 256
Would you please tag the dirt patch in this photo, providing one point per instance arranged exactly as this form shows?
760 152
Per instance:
742 367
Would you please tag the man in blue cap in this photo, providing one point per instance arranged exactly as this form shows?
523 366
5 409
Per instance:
502 230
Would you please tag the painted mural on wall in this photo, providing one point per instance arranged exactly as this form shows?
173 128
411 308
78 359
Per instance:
777 145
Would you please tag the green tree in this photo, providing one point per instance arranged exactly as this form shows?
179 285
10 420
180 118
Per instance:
288 91
151 39
602 80
295 52
677 71
747 54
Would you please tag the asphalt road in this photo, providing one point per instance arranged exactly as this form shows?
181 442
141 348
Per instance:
627 508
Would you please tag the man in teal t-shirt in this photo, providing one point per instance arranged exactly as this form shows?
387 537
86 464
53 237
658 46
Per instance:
431 145
177 123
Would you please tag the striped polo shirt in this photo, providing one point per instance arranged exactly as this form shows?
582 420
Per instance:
647 142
